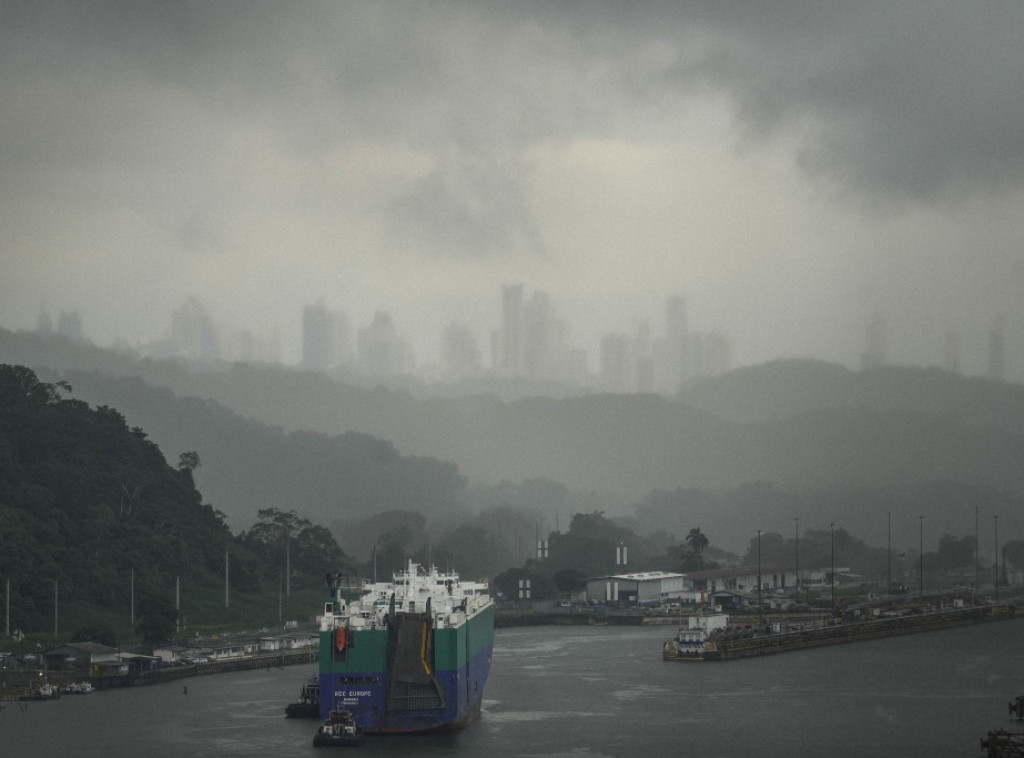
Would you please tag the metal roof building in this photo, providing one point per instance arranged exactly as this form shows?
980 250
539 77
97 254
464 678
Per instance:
638 588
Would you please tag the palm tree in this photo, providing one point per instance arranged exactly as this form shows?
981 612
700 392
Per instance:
697 541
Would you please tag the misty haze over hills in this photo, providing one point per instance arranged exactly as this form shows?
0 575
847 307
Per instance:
752 449
530 346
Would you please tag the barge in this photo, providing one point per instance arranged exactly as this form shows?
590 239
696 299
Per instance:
720 642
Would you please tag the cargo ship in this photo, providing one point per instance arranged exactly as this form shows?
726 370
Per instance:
408 655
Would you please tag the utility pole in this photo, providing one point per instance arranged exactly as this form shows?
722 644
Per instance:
888 552
797 520
832 592
999 577
56 594
226 578
759 621
977 552
920 557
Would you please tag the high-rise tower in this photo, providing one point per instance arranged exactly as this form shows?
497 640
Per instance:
676 358
997 350
876 346
318 338
510 343
193 333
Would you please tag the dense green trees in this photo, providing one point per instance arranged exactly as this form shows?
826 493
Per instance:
697 541
95 633
1013 553
88 503
283 539
157 618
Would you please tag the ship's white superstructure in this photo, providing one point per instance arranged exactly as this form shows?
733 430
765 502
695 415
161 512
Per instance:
415 589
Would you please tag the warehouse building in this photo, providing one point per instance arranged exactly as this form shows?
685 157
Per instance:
642 588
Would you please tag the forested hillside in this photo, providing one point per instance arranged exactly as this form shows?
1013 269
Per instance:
84 498
785 389
90 505
749 449
250 465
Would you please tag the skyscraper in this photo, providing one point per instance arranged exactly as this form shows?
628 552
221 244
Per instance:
675 357
616 363
460 356
381 350
193 332
318 338
876 344
537 337
510 339
951 352
997 350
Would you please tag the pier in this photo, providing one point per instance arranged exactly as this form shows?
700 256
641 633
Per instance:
734 644
30 679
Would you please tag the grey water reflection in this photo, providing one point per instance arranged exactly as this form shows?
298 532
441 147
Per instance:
590 692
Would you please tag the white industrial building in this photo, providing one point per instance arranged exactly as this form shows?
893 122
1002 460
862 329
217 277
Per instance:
642 588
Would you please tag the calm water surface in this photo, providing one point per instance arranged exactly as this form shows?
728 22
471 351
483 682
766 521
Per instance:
589 692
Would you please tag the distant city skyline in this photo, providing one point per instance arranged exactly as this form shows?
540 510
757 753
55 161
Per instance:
528 340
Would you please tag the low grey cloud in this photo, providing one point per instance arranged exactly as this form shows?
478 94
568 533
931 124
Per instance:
917 100
525 135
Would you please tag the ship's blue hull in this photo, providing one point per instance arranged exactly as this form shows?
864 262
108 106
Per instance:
367 700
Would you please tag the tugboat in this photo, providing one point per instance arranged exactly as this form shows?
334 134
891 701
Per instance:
308 704
338 730
695 642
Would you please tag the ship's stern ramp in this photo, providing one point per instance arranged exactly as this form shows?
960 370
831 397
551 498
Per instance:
412 685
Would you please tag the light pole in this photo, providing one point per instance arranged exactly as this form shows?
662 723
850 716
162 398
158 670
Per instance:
797 520
832 592
920 558
977 555
759 620
888 551
995 520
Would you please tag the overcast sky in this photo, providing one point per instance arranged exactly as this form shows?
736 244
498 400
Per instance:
792 168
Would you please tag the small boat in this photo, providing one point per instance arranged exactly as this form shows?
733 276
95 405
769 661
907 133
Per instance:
44 692
79 688
338 729
308 704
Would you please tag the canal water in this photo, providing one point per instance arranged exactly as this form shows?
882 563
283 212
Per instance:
592 692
